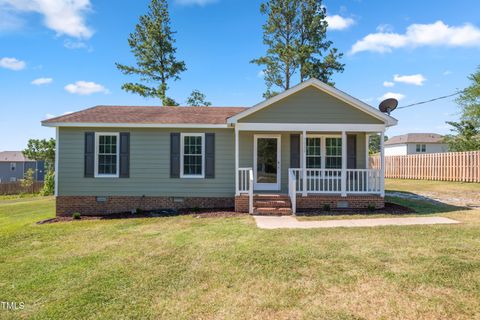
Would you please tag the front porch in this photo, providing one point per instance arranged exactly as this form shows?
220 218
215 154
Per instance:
308 168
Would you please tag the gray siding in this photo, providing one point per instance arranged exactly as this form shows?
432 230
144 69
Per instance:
311 105
149 166
21 167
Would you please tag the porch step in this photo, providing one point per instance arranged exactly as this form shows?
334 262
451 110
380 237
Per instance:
272 204
272 211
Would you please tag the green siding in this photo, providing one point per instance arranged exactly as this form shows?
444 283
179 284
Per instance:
149 166
311 105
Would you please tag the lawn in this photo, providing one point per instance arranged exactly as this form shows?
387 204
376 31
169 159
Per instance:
214 268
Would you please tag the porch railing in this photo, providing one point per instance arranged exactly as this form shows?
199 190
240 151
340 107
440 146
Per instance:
245 185
292 190
330 180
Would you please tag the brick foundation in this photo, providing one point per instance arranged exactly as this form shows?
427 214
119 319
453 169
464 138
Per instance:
353 201
88 205
241 203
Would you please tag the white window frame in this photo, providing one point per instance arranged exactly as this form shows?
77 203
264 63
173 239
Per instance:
419 148
97 149
13 166
323 148
182 149
13 179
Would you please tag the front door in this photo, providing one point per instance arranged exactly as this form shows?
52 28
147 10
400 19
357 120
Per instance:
266 162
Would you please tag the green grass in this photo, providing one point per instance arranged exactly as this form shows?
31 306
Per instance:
216 268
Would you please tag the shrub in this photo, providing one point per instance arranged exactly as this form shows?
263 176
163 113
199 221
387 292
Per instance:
138 211
76 216
48 184
371 207
327 207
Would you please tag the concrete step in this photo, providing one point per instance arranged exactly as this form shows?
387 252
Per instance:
272 211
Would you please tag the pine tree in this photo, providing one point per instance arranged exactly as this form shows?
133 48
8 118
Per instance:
152 44
295 36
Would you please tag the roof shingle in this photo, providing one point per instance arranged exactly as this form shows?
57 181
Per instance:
149 115
415 138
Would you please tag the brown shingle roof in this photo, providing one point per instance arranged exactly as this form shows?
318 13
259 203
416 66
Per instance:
12 156
415 138
150 115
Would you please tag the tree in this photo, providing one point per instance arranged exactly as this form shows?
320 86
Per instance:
466 135
295 36
374 144
28 180
48 184
41 150
152 44
198 99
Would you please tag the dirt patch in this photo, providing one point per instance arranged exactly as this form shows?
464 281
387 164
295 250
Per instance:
390 208
198 213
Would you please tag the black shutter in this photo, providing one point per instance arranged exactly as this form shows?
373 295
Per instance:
89 159
351 151
294 151
174 155
124 154
209 155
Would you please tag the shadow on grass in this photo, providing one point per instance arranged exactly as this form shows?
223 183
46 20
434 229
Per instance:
420 204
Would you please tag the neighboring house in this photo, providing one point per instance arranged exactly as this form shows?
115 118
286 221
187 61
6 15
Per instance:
304 148
414 143
14 165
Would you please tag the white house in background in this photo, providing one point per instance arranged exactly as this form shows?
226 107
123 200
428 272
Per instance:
415 143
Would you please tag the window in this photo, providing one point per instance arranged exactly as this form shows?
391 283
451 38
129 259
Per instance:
13 179
192 157
421 148
314 154
333 157
13 166
107 157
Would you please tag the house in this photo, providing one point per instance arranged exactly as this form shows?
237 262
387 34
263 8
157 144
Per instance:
304 148
14 165
414 143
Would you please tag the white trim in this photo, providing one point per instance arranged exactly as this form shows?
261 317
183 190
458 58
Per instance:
182 141
136 125
382 164
389 121
57 148
267 186
97 147
328 127
237 191
367 150
344 164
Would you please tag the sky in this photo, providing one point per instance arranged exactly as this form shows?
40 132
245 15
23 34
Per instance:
59 56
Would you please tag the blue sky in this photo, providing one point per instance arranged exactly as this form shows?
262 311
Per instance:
58 56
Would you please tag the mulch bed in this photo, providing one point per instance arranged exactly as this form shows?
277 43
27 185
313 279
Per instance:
390 208
198 213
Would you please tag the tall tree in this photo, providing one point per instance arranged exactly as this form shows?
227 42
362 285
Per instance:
295 36
466 132
198 99
152 44
41 150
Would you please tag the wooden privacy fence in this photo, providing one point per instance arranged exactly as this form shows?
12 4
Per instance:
448 166
17 188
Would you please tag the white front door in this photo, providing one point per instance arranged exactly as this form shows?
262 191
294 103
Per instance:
266 162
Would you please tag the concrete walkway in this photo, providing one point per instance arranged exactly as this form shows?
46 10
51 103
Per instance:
290 222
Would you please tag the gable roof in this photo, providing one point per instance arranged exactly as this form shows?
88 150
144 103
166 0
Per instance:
389 121
118 115
415 138
12 156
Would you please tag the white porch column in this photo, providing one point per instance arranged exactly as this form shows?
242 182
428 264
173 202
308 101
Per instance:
304 163
237 192
367 151
344 164
382 165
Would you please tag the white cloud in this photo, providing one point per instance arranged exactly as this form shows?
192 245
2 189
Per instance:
261 74
415 79
394 95
385 28
62 16
337 22
195 2
388 84
85 88
42 81
417 35
12 64
9 21
447 72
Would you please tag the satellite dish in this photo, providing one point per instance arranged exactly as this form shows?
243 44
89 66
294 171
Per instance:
388 105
